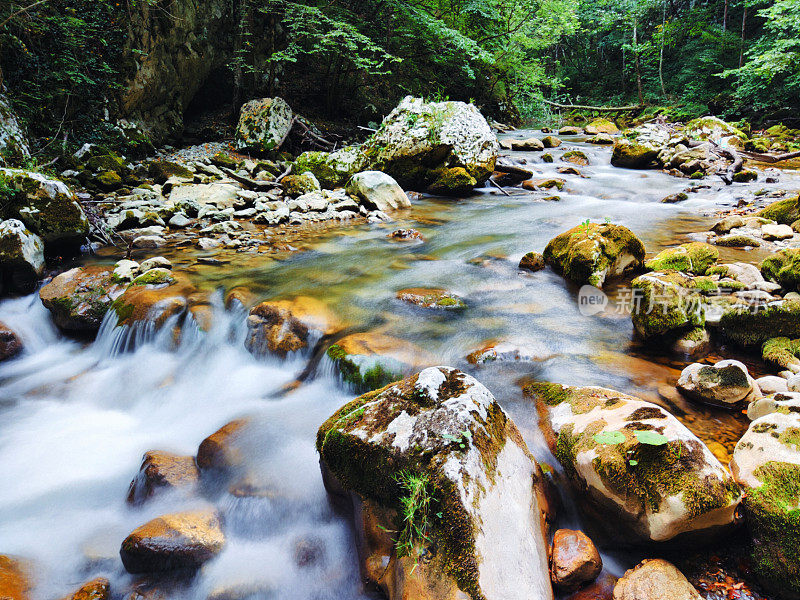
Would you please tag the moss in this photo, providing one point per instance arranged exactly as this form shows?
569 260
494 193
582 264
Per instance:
751 328
773 518
632 155
123 309
547 158
106 162
745 176
108 181
737 241
783 268
154 277
781 351
694 257
665 302
783 211
551 394
452 180
161 170
721 270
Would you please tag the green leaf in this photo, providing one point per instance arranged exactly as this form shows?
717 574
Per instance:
609 438
633 463
651 438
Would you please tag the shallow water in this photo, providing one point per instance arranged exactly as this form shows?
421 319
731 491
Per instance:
76 418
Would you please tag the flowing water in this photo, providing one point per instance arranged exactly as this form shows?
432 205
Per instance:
76 417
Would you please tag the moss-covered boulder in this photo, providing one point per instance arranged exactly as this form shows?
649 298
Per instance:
666 303
449 503
161 170
451 181
154 299
173 542
601 125
21 257
46 206
299 184
13 144
783 268
532 261
593 252
576 157
783 353
785 211
550 141
643 476
282 326
751 327
694 258
368 361
332 169
418 138
629 154
78 299
766 463
263 125
727 384
712 128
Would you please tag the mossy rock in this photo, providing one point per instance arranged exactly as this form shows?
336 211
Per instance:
332 169
782 352
550 141
157 276
641 473
601 125
532 261
737 241
434 298
713 128
752 327
785 211
666 303
783 268
263 125
108 181
632 155
547 158
745 176
223 159
440 438
591 253
451 181
161 170
106 162
297 185
694 258
576 157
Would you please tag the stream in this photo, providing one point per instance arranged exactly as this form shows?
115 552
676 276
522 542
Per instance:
76 417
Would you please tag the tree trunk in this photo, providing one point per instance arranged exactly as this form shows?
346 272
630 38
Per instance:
636 59
725 17
661 51
741 47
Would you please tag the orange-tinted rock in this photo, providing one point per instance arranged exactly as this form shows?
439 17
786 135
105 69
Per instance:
10 344
162 471
96 589
538 184
218 451
79 298
172 542
654 579
283 326
574 559
15 578
156 302
240 295
532 261
406 235
601 589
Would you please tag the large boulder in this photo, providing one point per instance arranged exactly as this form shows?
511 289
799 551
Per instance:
332 169
633 155
766 463
601 125
655 579
421 144
693 257
155 296
751 327
712 128
13 144
783 268
665 303
449 503
79 298
377 191
727 384
593 252
46 206
282 326
21 257
785 211
643 476
172 542
263 125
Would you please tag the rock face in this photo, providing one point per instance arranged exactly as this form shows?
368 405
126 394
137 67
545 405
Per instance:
263 125
593 252
424 144
574 559
13 145
160 472
79 298
171 542
283 326
377 191
654 579
46 206
438 442
694 258
15 582
643 475
766 462
726 384
21 257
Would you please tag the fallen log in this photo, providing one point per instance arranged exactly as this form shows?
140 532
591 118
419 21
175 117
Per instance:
595 108
771 158
250 184
513 170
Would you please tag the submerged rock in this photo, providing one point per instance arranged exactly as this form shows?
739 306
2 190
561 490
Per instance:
378 191
645 476
162 471
438 444
172 542
431 298
726 384
21 257
532 261
78 299
694 258
98 588
574 559
655 579
766 463
15 578
591 253
263 124
283 326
